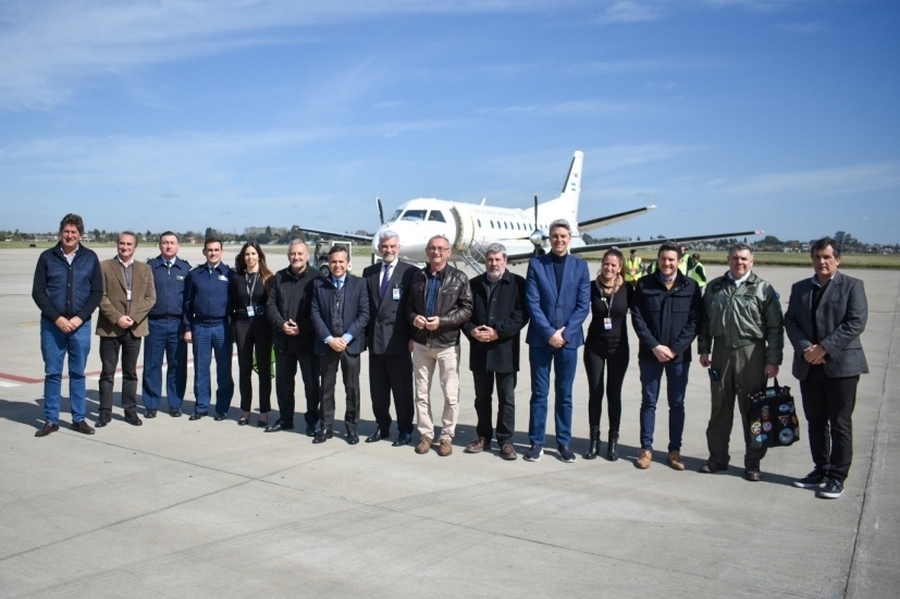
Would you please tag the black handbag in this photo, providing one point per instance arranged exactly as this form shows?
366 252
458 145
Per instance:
772 418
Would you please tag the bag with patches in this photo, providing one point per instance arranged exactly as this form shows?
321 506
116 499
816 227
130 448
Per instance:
772 418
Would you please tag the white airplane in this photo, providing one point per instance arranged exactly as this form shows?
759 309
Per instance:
470 228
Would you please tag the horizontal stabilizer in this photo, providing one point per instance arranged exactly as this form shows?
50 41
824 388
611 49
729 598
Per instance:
603 221
335 234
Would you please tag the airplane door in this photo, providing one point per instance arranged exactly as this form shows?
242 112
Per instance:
465 227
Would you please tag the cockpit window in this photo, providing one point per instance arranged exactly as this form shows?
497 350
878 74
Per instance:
395 215
436 216
414 215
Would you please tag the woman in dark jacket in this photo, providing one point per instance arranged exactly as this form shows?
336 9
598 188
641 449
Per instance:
250 287
607 345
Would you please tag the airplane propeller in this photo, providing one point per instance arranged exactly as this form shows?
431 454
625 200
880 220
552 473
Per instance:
380 210
537 236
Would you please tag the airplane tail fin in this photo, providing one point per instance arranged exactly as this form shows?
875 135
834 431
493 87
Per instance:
566 205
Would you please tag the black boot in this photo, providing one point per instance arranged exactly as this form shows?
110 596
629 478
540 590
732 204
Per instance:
594 450
612 448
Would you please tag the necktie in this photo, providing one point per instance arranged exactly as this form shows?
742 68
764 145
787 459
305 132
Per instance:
385 280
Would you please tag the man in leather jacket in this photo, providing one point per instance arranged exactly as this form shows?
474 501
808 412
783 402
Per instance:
440 302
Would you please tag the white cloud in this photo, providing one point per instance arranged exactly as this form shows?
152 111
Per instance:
840 180
628 11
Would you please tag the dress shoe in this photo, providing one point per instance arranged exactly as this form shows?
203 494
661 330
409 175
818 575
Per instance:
446 447
508 451
220 417
378 435
323 435
711 466
424 445
103 419
150 414
196 416
133 419
175 412
477 446
645 458
310 431
352 438
751 470
594 448
673 459
612 448
402 439
82 427
46 430
243 421
278 425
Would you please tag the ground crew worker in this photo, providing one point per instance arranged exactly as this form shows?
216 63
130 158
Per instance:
696 271
633 269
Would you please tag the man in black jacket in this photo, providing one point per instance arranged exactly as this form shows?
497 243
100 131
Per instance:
665 316
387 338
289 312
440 302
498 316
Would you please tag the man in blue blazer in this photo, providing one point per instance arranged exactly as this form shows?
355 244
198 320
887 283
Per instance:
825 317
339 314
558 299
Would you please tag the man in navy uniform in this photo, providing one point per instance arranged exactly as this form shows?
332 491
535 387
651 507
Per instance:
165 338
387 338
339 315
206 308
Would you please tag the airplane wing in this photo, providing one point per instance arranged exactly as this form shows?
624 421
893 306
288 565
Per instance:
363 238
600 247
612 218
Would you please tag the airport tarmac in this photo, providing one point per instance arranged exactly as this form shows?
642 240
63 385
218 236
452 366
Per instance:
209 509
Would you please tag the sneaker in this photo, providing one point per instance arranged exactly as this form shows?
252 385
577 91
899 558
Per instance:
534 454
508 451
424 445
446 447
813 480
674 460
832 489
477 446
566 454
645 457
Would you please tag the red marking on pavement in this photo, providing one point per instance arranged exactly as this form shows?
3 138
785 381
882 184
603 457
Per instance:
19 379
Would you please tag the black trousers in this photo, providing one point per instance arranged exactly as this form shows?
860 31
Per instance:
828 403
392 374
350 367
130 347
285 374
254 335
506 404
595 362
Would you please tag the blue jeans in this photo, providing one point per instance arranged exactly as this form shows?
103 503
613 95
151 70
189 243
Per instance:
208 339
564 362
164 340
55 346
676 384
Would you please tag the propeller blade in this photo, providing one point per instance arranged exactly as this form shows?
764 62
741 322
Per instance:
380 210
535 212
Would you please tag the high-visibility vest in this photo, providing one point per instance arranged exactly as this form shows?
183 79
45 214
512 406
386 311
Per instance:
698 273
632 269
682 265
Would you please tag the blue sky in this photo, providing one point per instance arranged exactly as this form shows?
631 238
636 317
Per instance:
729 115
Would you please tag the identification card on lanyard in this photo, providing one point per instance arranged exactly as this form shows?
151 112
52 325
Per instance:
248 277
607 322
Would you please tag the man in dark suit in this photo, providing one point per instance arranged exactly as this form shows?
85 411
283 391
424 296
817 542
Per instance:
558 299
387 338
498 316
825 317
339 314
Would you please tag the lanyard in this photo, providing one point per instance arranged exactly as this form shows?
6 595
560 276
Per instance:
248 277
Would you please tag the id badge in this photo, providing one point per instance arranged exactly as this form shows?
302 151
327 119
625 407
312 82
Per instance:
395 294
607 323
128 295
251 311
223 278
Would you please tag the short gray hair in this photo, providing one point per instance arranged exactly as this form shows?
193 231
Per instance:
495 248
297 241
560 223
739 247
388 234
440 236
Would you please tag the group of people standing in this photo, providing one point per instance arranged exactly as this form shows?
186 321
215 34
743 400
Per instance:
410 320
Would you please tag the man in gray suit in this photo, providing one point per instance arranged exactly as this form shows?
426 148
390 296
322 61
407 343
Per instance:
825 317
387 337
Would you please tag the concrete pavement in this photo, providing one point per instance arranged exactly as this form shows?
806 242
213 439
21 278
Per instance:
195 509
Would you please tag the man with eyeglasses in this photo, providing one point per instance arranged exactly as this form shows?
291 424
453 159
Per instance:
440 302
